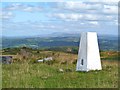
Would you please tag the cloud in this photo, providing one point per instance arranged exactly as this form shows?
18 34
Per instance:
90 13
71 5
31 9
50 27
22 7
68 17
94 23
65 16
13 6
110 9
6 15
91 7
87 17
105 1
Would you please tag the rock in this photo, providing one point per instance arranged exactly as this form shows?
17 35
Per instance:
61 70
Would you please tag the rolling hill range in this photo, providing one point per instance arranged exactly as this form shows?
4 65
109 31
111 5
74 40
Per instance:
105 42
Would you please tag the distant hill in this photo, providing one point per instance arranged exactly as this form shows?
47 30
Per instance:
106 42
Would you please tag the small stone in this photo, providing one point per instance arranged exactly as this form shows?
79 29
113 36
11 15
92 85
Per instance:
61 70
44 77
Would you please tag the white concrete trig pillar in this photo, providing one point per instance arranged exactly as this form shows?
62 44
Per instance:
88 54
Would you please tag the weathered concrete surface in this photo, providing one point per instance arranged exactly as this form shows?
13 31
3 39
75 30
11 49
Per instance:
88 54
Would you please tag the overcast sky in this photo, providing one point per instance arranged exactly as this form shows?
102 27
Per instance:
36 18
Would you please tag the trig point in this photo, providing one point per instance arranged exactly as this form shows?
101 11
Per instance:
88 54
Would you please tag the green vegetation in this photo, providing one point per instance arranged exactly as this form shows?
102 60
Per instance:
110 55
48 76
25 72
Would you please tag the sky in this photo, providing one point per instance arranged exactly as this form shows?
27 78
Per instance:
43 18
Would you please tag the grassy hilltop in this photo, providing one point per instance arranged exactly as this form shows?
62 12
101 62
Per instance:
25 72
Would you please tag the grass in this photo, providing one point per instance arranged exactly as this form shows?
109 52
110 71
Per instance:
110 55
48 76
25 73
